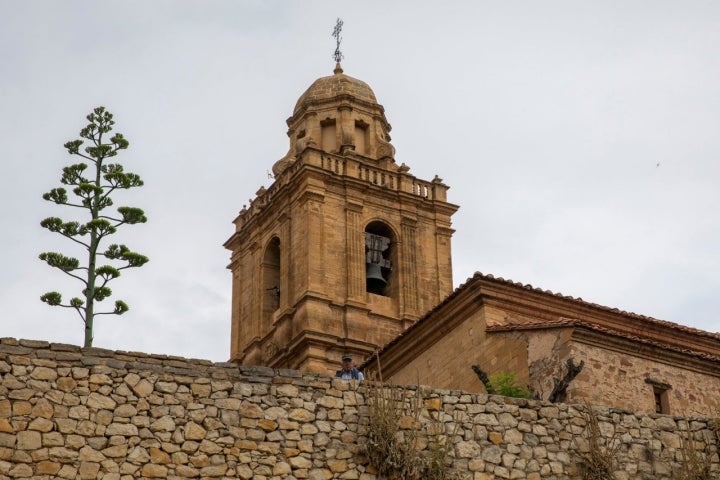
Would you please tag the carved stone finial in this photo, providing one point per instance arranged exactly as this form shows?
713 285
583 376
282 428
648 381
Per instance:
338 56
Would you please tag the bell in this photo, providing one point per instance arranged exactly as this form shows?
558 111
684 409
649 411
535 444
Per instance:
374 279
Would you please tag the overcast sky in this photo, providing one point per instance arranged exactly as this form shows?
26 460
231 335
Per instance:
580 140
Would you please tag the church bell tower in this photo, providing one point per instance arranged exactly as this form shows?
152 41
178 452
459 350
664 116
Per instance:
346 249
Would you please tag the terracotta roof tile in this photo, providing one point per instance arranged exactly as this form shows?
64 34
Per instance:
568 322
579 300
562 322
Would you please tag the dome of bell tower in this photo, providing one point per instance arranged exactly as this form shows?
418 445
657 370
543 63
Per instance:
338 114
331 87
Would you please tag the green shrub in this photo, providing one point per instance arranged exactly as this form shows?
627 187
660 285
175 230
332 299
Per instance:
503 383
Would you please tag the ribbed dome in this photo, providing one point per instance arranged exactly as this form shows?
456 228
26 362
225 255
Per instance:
327 88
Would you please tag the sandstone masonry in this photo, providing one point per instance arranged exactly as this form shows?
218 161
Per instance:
86 413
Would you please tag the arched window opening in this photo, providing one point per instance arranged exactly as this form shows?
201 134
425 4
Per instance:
378 258
271 279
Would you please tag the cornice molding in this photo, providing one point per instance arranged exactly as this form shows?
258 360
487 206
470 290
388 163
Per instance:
648 351
525 300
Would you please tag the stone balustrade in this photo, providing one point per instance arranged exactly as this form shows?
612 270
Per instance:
352 168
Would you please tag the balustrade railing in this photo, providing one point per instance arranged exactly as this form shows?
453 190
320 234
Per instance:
400 181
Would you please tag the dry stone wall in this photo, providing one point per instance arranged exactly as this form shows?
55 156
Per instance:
70 412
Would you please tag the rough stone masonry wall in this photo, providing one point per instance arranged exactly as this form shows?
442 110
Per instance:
67 412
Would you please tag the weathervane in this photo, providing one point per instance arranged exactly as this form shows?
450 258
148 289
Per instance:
336 33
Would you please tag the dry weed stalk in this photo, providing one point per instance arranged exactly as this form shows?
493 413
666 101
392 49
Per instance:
694 464
435 464
389 448
599 462
715 427
394 426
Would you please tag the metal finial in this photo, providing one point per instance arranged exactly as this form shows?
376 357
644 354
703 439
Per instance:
338 56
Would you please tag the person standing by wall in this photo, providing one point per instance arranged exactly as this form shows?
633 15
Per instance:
348 371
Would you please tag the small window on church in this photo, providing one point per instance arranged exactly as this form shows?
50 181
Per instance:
661 400
329 136
378 255
661 397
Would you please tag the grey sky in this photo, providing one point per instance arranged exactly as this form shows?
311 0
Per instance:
580 140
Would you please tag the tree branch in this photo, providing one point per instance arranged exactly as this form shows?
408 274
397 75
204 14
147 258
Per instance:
73 275
559 392
483 378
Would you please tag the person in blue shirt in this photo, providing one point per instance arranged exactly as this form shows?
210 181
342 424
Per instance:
348 371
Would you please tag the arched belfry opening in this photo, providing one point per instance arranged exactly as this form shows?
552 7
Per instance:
379 258
271 279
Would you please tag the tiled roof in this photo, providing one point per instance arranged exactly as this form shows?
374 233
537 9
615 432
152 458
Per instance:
580 301
499 280
559 323
568 322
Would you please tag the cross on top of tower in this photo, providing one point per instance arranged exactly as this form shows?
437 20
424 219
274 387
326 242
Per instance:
338 56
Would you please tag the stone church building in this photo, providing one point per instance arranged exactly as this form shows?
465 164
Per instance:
347 252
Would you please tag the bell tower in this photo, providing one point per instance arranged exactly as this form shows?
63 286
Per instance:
346 249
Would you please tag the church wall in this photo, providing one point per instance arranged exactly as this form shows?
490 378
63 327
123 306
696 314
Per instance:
236 325
333 243
249 320
245 326
318 282
609 377
310 235
444 256
495 315
86 413
620 378
506 355
548 351
536 358
429 264
447 362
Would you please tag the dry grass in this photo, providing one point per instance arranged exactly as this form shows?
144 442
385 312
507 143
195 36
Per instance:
600 460
389 448
694 464
715 427
435 463
395 427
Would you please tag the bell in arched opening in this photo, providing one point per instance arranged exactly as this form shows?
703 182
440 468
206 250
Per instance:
377 266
